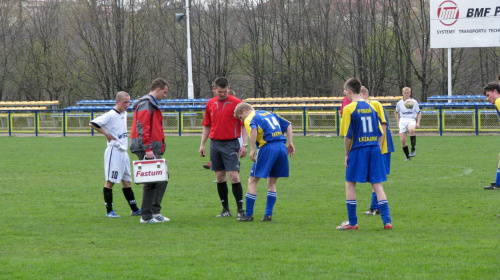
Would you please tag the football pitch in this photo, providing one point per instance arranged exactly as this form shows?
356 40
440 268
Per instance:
53 223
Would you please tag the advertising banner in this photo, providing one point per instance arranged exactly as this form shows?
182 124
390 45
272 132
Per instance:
464 23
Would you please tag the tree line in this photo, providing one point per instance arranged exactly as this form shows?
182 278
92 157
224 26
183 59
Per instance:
89 49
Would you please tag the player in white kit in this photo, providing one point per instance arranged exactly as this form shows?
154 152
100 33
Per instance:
113 125
408 120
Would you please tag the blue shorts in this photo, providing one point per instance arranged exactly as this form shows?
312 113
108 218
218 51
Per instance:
365 164
387 163
272 161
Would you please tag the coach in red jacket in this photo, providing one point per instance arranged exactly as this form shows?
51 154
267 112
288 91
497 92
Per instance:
148 141
223 129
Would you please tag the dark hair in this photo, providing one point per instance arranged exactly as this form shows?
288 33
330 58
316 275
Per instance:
159 84
221 82
354 85
491 87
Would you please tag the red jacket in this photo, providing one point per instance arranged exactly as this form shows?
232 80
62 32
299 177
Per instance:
147 126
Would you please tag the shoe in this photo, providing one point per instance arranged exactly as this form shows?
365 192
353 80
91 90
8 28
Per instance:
408 159
224 213
246 219
136 213
412 154
207 165
492 186
241 214
372 212
160 218
346 226
388 226
112 214
151 221
267 218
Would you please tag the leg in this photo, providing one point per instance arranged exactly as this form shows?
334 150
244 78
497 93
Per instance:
222 191
350 191
148 196
404 145
160 189
413 139
234 176
271 198
130 197
108 199
251 194
495 185
383 205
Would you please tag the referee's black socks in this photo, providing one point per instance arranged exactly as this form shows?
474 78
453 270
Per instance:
238 195
222 190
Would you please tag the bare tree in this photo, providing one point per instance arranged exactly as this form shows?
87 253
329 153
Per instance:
111 44
11 25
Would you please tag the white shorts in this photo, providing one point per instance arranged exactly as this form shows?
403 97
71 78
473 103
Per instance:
116 165
405 123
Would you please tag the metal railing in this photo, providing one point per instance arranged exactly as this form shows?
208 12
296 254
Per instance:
305 120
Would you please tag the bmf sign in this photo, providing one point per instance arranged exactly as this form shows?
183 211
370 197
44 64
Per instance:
464 23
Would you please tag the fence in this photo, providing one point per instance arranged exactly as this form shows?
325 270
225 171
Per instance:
305 120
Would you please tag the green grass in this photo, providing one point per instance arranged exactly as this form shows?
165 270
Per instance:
445 224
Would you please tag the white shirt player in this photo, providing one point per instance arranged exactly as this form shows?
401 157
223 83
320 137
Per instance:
116 125
406 113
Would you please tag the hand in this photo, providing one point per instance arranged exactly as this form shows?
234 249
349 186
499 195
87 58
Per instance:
243 151
109 137
417 125
149 155
252 155
346 157
202 151
291 149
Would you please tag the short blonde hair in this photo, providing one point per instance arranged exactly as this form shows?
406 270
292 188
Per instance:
406 89
240 107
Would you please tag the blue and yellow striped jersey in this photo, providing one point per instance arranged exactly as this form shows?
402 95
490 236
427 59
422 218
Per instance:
360 123
270 127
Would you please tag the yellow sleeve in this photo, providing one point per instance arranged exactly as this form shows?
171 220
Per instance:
346 117
497 103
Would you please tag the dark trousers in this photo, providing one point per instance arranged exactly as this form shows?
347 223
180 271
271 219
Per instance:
152 195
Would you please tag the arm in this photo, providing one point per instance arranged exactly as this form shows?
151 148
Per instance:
253 146
382 138
102 131
347 145
419 116
204 137
244 141
289 134
396 115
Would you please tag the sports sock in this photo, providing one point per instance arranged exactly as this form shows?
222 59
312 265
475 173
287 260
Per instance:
405 150
238 195
497 181
271 200
108 199
374 204
130 197
385 213
250 202
222 189
413 140
351 211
